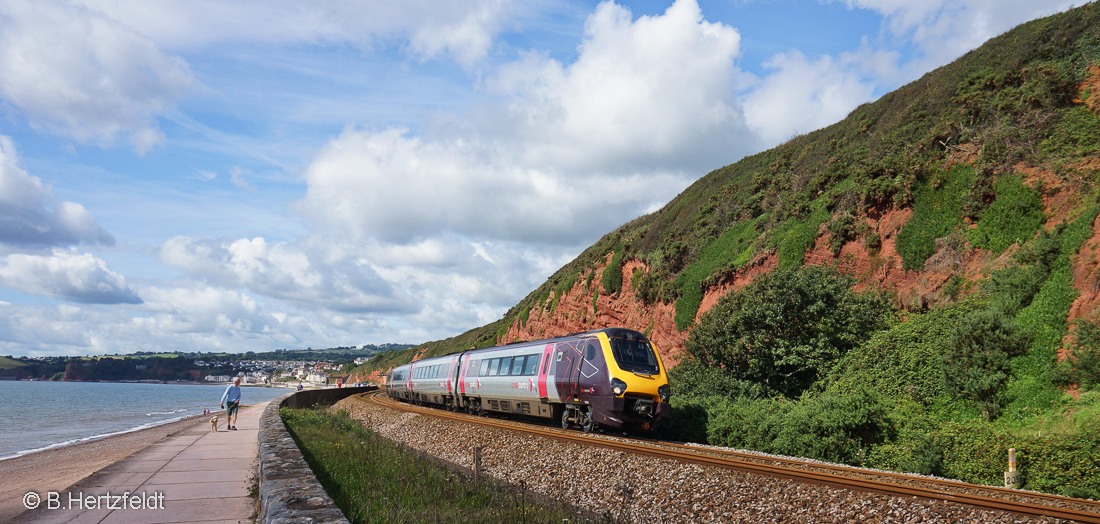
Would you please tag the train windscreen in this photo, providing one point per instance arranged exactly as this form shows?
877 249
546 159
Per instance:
634 355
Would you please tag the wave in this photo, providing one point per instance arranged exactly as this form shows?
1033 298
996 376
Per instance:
147 425
173 412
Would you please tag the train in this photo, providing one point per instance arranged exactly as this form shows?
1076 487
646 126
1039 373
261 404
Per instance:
605 378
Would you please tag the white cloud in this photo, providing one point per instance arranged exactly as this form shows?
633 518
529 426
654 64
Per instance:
199 318
943 30
66 275
801 95
305 276
236 176
571 152
30 214
460 29
651 92
76 72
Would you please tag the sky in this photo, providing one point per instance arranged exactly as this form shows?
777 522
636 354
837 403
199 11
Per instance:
201 175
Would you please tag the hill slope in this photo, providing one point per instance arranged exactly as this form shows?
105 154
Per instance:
968 198
923 193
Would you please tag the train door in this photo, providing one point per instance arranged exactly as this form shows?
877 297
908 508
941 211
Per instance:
564 366
544 370
568 369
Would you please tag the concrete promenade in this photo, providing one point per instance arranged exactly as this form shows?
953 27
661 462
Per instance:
192 476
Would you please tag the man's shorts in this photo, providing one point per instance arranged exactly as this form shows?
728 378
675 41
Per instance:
231 407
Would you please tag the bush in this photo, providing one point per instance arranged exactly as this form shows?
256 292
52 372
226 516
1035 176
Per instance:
691 379
838 427
1082 367
748 423
787 327
977 364
834 427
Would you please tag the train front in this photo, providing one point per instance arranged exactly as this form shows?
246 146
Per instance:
639 390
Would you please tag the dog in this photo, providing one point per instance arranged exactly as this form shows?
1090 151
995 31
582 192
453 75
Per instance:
214 424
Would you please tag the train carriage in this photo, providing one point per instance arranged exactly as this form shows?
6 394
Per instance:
430 381
609 377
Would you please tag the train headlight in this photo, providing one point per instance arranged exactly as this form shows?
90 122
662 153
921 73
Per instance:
618 387
665 392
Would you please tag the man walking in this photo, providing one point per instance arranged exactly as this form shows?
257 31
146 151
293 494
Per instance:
232 397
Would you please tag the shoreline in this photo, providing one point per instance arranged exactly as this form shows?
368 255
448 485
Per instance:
167 383
55 469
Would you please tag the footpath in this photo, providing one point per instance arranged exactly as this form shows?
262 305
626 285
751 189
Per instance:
192 476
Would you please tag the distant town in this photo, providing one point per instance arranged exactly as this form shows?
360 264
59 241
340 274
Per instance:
309 367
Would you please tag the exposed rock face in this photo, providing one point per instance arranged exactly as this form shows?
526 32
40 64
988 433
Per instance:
873 269
575 313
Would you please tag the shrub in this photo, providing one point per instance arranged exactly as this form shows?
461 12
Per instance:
691 379
748 423
977 364
1082 366
787 327
612 278
838 427
731 250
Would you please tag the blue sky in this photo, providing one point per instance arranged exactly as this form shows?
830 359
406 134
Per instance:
173 177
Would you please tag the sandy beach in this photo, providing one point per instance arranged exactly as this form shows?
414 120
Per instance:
59 468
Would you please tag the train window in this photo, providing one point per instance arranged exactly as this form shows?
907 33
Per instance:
546 364
517 365
505 366
484 372
634 354
532 365
591 352
494 365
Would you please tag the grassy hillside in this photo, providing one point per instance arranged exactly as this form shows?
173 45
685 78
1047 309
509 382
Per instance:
10 363
1011 101
968 198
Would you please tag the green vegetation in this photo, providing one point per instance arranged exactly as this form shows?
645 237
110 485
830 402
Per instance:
1014 217
717 256
372 480
169 366
10 363
973 150
937 211
787 327
939 393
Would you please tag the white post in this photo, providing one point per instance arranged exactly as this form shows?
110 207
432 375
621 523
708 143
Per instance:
1012 477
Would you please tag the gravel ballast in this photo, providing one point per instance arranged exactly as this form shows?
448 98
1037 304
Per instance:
635 488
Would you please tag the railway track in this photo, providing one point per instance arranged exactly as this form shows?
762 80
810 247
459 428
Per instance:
894 484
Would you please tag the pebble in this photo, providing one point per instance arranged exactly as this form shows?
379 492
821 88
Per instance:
635 488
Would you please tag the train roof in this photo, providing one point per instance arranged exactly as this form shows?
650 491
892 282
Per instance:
611 332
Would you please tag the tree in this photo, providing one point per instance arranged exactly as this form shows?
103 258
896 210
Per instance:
786 328
976 364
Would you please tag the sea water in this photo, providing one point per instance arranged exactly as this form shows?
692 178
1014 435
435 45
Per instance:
38 415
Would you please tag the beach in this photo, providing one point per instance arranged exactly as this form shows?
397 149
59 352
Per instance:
58 468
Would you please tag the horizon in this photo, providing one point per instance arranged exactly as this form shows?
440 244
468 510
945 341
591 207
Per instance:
172 180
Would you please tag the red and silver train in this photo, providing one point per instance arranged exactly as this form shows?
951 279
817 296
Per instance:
608 377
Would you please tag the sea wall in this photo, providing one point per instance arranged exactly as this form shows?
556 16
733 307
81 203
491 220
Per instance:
289 491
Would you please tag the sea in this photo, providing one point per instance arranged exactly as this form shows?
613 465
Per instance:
40 415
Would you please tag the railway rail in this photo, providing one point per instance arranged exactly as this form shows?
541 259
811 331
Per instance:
856 479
